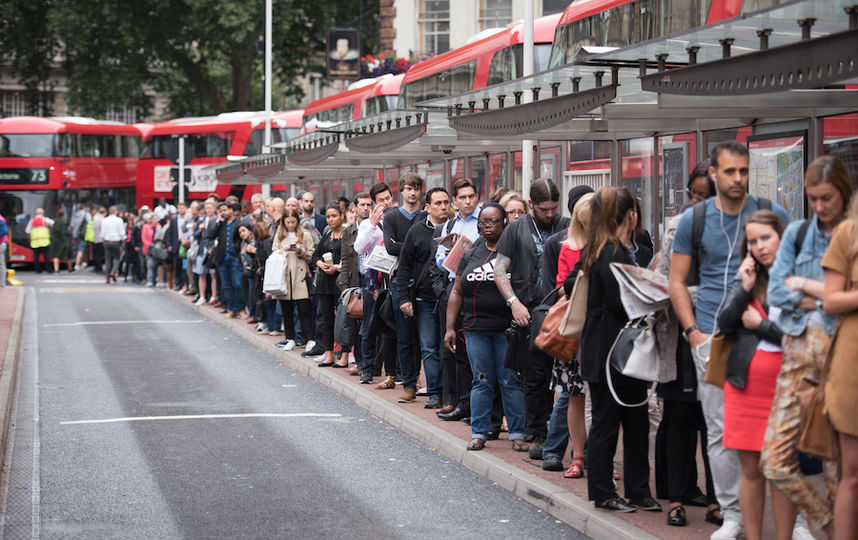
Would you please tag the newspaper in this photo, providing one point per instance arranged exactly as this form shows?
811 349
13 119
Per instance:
451 263
381 260
642 291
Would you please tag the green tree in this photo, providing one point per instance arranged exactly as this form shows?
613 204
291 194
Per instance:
204 54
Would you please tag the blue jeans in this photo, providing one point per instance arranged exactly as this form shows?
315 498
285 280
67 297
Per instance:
152 270
428 328
272 321
486 351
230 277
558 429
406 362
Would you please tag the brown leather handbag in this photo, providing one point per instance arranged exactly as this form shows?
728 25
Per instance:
549 338
355 306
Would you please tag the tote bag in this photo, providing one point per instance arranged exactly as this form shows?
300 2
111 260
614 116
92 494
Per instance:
576 310
274 281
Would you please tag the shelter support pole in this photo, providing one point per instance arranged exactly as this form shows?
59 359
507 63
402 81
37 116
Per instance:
527 145
700 152
616 163
816 139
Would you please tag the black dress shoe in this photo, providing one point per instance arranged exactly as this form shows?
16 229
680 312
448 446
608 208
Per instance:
616 504
457 414
676 517
647 504
315 351
493 435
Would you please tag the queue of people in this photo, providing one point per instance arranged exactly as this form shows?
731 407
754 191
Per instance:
441 288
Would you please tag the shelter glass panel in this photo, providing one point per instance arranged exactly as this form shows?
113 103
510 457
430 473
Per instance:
841 140
638 177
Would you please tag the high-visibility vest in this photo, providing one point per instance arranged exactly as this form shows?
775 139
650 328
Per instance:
40 235
89 234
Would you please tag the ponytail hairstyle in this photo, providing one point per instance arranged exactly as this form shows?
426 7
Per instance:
608 208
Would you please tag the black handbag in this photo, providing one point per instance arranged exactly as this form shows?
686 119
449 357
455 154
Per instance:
537 317
382 313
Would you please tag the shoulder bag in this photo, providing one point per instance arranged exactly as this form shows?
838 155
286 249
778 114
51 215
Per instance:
572 324
635 354
547 335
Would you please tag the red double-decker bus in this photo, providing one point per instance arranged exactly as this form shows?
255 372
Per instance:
61 162
213 140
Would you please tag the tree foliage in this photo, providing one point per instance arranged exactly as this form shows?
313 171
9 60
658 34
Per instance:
205 55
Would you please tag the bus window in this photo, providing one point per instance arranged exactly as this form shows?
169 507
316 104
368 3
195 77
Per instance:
636 21
26 145
130 146
502 67
379 104
462 78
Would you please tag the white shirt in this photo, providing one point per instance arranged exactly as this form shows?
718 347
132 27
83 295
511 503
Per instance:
112 229
163 211
368 237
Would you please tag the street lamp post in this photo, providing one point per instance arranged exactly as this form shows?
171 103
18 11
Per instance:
266 140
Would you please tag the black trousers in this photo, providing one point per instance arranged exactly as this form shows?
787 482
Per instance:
455 367
41 260
325 321
608 416
112 251
538 398
681 424
97 255
305 315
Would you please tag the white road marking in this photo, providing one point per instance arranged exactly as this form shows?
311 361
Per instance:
289 385
86 290
163 321
200 417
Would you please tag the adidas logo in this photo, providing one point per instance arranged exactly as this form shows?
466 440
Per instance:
484 273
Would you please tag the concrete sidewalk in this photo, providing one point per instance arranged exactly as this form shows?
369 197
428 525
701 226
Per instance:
563 498
11 324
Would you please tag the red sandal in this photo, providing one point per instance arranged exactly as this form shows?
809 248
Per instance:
576 469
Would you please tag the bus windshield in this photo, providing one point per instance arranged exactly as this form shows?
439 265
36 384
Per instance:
26 145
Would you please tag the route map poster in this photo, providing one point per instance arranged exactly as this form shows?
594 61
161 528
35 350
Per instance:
777 164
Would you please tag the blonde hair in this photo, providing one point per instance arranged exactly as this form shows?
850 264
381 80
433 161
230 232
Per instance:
514 196
577 237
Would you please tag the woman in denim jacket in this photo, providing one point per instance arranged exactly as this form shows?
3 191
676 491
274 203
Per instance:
796 287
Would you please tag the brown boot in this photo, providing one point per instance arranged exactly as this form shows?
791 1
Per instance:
388 383
408 396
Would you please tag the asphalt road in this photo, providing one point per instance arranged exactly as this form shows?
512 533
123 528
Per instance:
138 418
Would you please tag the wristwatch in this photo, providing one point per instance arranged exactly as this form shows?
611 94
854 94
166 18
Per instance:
510 301
690 329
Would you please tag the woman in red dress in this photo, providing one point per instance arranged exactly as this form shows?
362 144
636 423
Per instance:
753 366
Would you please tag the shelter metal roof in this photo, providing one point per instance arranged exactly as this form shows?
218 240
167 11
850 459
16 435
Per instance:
778 60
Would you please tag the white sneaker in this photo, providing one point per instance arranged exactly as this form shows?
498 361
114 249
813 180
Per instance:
290 345
310 344
260 327
801 531
200 302
730 530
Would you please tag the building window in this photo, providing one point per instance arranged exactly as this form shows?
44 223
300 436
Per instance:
554 6
435 26
495 13
126 114
14 103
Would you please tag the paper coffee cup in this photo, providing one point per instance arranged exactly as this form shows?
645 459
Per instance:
328 257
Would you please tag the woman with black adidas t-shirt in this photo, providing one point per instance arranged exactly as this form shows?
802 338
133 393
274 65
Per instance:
485 318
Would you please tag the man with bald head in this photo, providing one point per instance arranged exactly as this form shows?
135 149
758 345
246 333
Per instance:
39 229
293 203
275 212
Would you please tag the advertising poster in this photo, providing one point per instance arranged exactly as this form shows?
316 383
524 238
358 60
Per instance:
199 179
777 164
